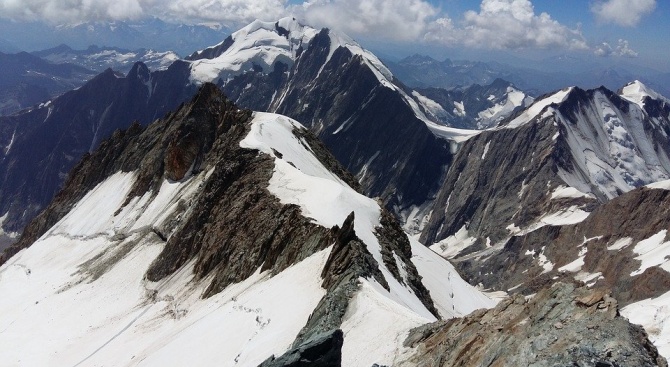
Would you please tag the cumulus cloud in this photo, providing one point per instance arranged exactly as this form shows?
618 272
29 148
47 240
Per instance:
499 24
64 11
401 20
627 13
74 11
622 49
226 11
506 24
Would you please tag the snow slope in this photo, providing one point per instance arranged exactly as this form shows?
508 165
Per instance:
654 315
636 92
79 297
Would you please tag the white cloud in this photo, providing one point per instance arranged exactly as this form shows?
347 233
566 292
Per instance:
622 49
190 11
500 24
627 13
225 11
400 20
513 24
66 11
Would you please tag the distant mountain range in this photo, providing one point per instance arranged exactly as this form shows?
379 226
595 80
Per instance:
150 33
423 72
101 58
26 80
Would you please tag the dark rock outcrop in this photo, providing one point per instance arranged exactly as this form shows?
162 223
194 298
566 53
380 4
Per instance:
321 351
560 326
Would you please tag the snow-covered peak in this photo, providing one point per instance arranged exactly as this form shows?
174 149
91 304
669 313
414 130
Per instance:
512 99
536 108
288 28
636 92
262 44
259 44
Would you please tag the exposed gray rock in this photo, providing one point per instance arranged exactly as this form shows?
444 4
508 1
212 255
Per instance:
560 326
324 350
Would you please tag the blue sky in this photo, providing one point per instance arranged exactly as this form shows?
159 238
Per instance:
613 31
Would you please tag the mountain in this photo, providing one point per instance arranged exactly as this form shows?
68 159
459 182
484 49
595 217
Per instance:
342 93
26 80
422 71
218 223
321 78
102 58
150 33
558 192
41 145
475 107
572 147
